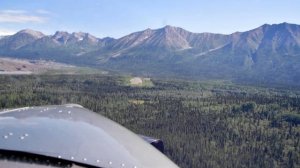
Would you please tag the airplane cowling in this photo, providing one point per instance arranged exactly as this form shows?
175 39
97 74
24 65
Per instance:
73 133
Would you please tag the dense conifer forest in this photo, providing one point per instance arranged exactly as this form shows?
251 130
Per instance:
203 124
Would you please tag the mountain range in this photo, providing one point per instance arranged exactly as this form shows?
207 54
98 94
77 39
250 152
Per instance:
267 54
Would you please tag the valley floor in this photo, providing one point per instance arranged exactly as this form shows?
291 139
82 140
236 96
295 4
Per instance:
203 124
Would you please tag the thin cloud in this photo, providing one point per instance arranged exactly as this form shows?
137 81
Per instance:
14 11
19 16
5 32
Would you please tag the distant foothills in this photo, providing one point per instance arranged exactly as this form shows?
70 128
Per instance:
269 54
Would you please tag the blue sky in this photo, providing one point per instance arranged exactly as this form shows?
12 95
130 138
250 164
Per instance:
116 18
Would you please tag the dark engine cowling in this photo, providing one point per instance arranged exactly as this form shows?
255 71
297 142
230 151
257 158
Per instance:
157 143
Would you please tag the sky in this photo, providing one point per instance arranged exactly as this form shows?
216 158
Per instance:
117 18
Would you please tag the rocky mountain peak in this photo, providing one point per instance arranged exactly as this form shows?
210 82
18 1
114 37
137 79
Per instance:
171 29
33 33
61 36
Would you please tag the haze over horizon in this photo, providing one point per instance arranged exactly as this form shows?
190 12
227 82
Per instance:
118 18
